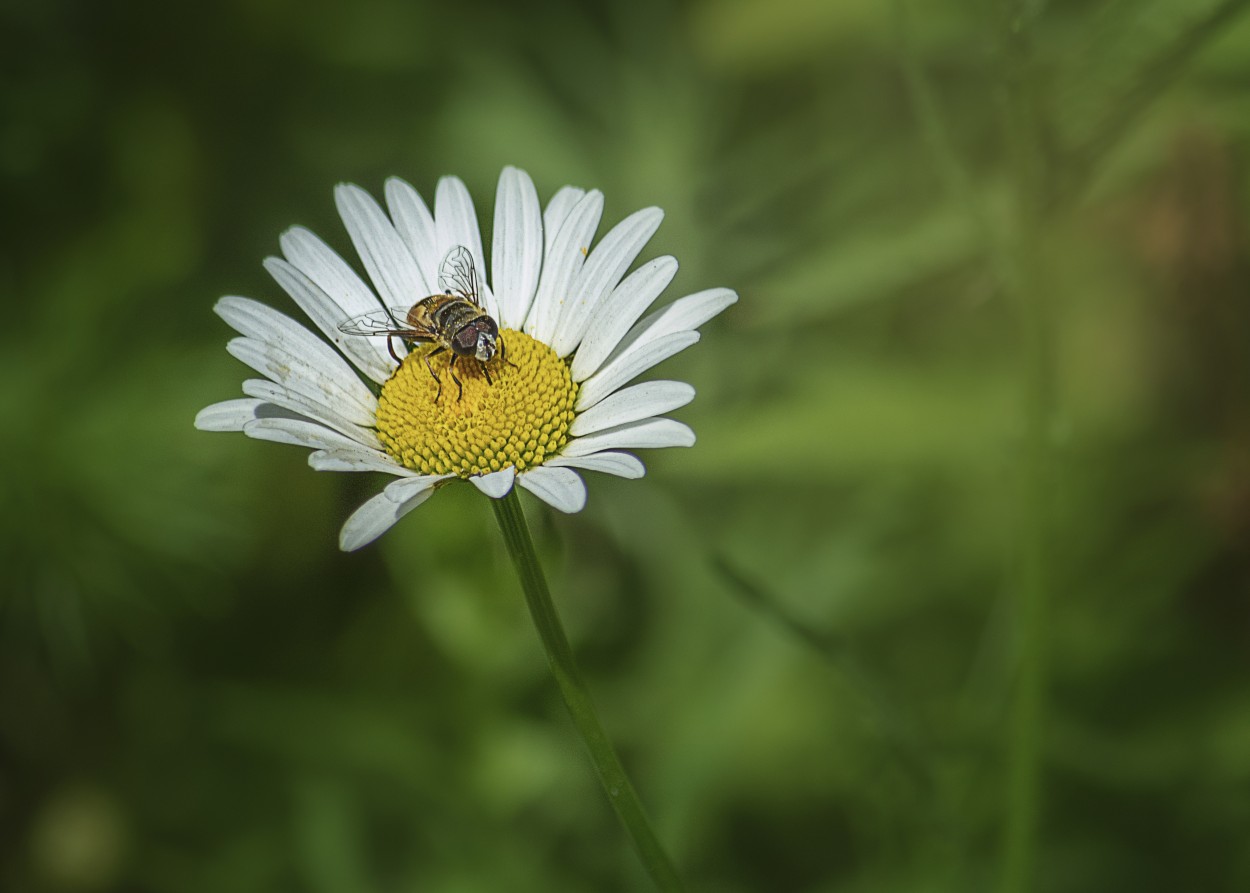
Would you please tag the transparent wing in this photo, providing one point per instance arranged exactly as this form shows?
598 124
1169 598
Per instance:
458 274
383 321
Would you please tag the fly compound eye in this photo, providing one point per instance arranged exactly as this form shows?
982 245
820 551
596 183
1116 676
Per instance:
465 342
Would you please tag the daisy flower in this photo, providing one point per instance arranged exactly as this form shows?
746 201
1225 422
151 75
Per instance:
555 399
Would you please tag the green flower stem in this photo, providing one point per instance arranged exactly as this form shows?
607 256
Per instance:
1033 180
577 697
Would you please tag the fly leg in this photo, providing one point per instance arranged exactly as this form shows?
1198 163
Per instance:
391 348
486 372
434 375
503 355
451 368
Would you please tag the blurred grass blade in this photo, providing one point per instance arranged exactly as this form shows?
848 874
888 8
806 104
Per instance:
950 168
892 722
1153 81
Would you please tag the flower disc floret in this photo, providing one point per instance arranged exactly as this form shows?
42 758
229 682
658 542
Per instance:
520 418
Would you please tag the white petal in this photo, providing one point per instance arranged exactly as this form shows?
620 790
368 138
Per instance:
557 209
651 341
560 488
563 261
497 484
620 310
620 464
229 415
299 432
375 517
649 434
313 409
455 221
296 373
683 314
651 398
517 246
405 488
415 225
358 459
625 366
386 257
601 273
263 323
332 301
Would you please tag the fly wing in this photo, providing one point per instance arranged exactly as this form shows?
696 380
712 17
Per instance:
383 321
458 275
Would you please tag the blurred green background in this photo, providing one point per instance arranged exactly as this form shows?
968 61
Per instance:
953 594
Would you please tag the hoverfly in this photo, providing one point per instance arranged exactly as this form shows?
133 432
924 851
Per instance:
453 319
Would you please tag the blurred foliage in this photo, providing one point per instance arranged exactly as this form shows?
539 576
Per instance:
806 633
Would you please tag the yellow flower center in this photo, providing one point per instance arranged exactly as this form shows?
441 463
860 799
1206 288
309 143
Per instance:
521 417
